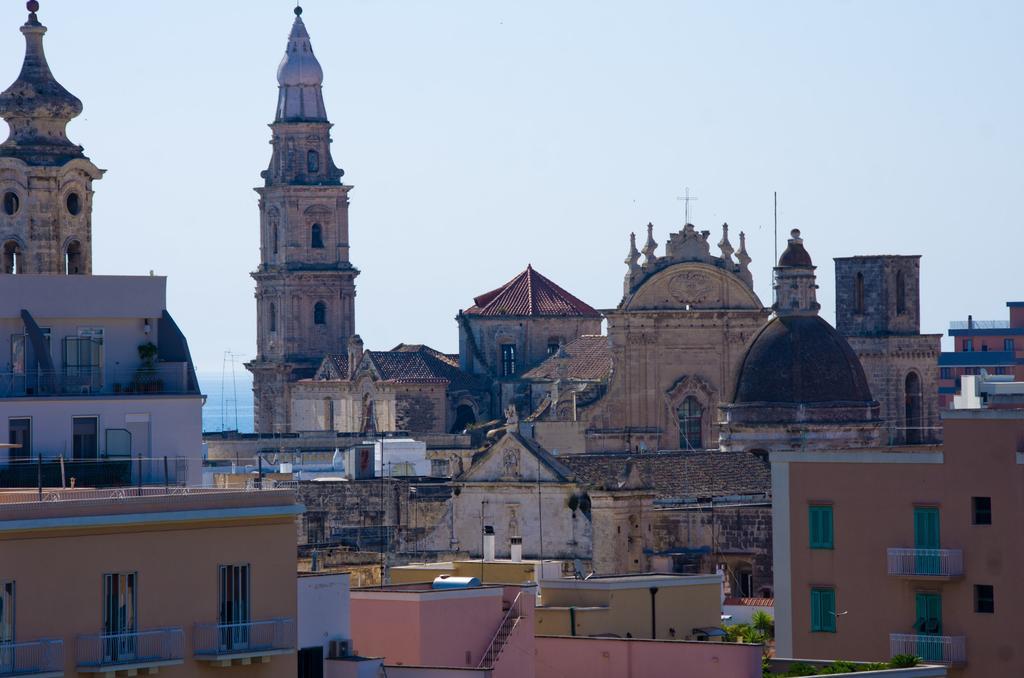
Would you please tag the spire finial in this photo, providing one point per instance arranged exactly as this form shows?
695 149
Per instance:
298 9
634 255
724 245
650 246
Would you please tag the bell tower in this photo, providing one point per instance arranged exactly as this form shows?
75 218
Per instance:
45 178
305 284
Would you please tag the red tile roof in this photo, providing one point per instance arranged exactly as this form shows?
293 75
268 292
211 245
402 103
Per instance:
530 294
421 364
586 358
749 602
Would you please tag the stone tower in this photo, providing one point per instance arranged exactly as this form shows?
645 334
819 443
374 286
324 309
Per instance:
878 310
305 284
45 178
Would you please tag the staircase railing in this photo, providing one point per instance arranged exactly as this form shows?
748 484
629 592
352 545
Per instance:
501 636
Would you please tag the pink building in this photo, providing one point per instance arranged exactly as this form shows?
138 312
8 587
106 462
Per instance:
481 630
996 346
885 551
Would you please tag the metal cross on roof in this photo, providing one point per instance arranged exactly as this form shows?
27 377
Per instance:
686 198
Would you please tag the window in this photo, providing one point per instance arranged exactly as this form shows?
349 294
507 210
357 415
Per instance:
120 616
73 258
553 345
311 662
276 231
11 203
858 294
901 293
690 414
946 372
320 313
234 606
913 420
314 528
823 610
984 348
968 344
312 161
11 257
20 433
1008 345
820 518
273 317
981 508
74 204
508 360
316 238
83 359
6 613
84 438
984 599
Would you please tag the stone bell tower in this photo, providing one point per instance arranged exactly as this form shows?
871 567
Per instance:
305 284
45 178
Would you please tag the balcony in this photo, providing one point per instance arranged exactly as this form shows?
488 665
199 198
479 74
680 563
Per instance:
948 650
161 378
244 643
35 658
932 564
111 653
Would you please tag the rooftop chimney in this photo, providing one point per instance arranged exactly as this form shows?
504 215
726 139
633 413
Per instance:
488 542
516 549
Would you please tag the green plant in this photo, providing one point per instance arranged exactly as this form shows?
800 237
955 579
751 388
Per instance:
904 661
763 622
801 669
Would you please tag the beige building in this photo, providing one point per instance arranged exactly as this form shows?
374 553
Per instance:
904 550
126 582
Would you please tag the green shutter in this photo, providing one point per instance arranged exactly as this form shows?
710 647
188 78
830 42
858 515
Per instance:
823 610
820 519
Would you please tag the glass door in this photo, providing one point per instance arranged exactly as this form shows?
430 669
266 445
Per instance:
234 607
926 539
119 617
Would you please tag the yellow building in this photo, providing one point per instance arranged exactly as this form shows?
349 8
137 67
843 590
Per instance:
660 606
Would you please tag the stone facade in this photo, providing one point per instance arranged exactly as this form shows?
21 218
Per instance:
680 332
878 309
45 179
305 283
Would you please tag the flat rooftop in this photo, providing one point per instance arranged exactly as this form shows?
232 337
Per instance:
83 296
628 581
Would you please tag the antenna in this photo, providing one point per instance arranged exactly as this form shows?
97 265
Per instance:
775 194
686 198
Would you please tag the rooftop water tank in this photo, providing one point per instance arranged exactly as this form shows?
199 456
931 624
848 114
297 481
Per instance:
446 581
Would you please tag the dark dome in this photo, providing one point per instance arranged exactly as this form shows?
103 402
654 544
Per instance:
801 359
795 254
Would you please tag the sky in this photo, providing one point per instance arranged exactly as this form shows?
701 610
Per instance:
483 135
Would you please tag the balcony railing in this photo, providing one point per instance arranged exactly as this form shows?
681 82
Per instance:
950 650
215 641
162 378
926 562
31 658
155 647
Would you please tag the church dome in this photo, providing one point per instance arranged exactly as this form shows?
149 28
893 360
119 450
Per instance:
800 359
299 67
796 254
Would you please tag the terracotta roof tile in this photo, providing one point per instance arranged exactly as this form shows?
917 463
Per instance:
678 475
749 602
586 358
530 294
421 364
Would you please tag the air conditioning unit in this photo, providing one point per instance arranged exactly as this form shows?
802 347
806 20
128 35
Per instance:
338 649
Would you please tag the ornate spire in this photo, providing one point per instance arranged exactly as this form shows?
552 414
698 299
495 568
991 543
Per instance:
724 245
300 79
634 256
744 259
795 282
650 246
36 107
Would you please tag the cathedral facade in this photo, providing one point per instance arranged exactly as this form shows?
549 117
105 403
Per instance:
305 283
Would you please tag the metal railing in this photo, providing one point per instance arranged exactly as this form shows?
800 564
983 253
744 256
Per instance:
218 640
133 647
925 562
979 325
160 378
932 649
101 471
501 636
34 656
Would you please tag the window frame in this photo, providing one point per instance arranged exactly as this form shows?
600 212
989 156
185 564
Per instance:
976 511
690 417
987 601
817 539
823 609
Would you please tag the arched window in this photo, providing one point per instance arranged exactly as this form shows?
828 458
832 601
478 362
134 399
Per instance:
690 414
858 294
73 258
273 317
320 313
508 360
901 293
914 420
464 417
313 162
11 203
11 257
316 238
328 414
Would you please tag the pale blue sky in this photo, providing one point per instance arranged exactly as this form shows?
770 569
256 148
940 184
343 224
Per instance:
483 135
